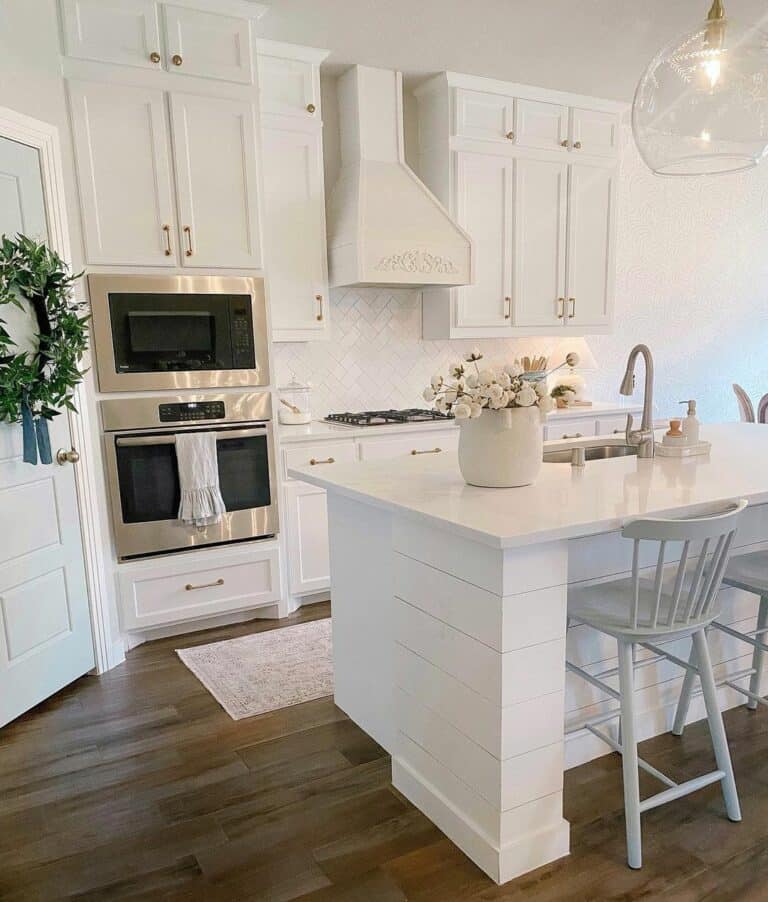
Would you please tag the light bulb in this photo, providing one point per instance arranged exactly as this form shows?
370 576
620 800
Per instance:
712 70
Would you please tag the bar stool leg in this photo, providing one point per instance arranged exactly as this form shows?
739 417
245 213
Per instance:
758 654
629 761
684 702
716 728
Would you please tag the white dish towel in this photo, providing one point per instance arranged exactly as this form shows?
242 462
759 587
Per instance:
197 459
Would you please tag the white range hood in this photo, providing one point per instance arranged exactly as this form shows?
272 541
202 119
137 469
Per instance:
385 226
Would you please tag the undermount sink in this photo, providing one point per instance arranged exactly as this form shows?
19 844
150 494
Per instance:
594 452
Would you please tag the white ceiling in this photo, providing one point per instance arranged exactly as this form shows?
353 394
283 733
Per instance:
597 47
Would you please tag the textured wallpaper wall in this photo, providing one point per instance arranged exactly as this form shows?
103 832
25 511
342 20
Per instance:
692 282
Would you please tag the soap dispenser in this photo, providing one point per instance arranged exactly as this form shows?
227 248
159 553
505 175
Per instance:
691 424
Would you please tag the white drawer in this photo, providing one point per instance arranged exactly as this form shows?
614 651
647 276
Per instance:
612 425
413 445
184 588
287 87
557 429
321 454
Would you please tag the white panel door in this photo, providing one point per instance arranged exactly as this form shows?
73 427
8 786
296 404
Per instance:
540 204
307 530
215 149
45 631
208 45
489 117
113 31
542 125
483 206
591 204
595 132
123 167
294 230
287 87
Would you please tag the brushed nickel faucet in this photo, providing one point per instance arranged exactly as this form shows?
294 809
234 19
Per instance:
641 438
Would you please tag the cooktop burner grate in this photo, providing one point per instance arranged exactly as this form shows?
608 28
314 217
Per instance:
387 417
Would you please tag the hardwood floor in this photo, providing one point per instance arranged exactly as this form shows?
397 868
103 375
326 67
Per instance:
137 785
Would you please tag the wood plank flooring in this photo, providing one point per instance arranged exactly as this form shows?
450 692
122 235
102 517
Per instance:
137 785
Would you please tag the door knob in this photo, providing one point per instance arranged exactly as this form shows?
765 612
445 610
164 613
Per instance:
67 457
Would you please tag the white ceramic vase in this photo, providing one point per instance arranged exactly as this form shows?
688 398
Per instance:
501 448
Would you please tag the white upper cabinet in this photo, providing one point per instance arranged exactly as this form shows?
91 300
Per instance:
487 117
595 132
591 214
541 125
124 173
215 146
207 44
113 31
541 197
483 208
289 87
294 232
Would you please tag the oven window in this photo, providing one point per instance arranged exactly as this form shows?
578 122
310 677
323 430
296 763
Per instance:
149 478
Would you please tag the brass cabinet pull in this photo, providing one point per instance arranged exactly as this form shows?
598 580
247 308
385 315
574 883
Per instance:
154 57
575 435
319 299
314 461
190 588
572 302
577 145
176 59
428 451
508 306
311 108
510 136
188 232
561 311
565 143
167 231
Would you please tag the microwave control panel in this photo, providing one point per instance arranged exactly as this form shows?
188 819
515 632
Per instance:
191 411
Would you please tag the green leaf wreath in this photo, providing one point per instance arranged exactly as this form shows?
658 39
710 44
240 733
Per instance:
38 386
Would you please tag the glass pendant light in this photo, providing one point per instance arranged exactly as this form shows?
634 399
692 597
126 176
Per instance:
702 105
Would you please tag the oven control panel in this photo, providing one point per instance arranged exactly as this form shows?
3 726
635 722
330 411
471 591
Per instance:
191 411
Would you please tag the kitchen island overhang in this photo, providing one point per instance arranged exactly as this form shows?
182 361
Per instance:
449 621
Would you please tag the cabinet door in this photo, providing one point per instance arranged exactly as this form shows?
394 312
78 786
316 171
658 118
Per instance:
207 44
542 125
591 227
489 117
215 149
596 132
112 31
484 210
306 523
294 231
541 190
288 87
123 166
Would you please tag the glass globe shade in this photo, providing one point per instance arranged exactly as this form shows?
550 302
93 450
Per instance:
702 105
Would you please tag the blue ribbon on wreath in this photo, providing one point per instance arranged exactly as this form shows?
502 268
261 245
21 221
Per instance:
35 436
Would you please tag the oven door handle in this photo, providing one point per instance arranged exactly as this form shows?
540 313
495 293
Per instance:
222 434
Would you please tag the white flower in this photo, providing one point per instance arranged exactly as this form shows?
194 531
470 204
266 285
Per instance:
450 396
513 370
474 355
457 370
428 395
475 410
546 404
487 377
504 379
541 388
436 381
472 381
462 411
440 405
526 396
495 393
572 359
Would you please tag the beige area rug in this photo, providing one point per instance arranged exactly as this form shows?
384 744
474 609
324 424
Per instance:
265 671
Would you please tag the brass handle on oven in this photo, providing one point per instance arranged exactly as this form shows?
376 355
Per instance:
167 231
188 232
190 588
572 302
314 462
561 311
428 451
575 435
319 299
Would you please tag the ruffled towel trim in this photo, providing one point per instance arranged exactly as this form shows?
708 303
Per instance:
201 507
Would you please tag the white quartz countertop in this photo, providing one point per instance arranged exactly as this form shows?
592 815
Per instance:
320 430
565 502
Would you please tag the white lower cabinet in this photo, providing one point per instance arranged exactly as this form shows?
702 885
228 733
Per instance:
306 524
196 585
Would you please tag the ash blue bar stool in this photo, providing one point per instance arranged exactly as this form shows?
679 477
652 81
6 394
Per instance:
645 609
750 573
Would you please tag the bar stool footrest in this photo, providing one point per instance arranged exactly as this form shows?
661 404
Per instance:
681 789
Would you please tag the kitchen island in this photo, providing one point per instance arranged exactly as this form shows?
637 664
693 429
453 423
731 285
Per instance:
449 623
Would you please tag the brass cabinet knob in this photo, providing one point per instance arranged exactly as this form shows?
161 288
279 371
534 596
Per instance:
577 145
311 108
565 143
510 136
176 59
67 457
154 56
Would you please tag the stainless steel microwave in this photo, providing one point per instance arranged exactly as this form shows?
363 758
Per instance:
174 332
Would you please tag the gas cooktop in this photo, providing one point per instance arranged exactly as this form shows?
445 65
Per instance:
386 417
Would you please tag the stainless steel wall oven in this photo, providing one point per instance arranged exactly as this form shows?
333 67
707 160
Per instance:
139 436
